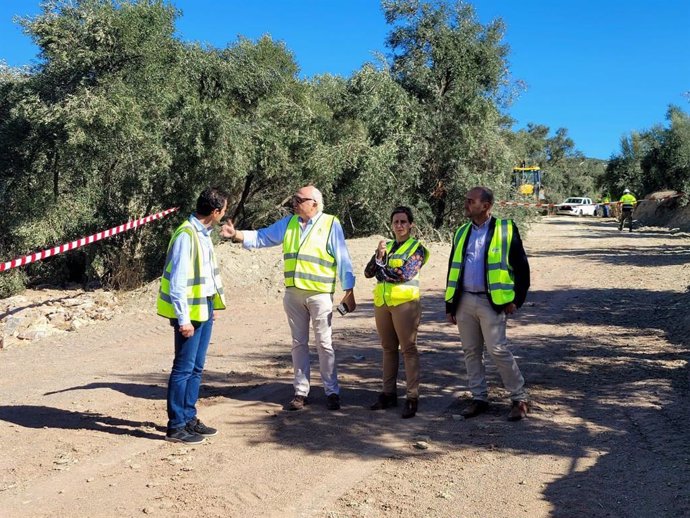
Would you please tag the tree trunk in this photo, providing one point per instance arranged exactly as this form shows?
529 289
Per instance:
439 209
245 196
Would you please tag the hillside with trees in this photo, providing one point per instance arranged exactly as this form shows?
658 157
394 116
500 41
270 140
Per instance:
656 159
120 118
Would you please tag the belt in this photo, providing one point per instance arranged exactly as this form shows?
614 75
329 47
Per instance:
476 292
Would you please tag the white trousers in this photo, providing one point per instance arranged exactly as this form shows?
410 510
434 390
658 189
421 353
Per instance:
301 308
480 326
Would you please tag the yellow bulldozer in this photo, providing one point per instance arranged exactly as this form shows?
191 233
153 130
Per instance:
527 182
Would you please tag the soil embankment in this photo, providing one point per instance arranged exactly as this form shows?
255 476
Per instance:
664 209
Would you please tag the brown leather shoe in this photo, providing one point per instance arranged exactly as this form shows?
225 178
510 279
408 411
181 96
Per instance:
519 410
476 407
385 401
410 408
297 402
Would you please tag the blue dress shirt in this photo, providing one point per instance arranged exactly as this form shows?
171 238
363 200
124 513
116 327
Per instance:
474 274
274 234
181 262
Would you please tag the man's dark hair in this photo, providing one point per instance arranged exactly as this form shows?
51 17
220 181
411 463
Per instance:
403 210
212 198
487 195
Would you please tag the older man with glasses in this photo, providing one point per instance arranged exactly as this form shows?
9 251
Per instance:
314 254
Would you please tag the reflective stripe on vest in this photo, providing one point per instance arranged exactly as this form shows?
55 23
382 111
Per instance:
309 266
196 301
396 293
455 271
499 273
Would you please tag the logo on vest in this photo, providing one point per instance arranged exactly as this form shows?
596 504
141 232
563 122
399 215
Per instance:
495 250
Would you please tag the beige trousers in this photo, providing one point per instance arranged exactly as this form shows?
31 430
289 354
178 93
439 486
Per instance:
480 326
397 328
301 308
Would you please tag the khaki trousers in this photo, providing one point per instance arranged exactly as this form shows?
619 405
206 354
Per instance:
397 328
480 326
301 308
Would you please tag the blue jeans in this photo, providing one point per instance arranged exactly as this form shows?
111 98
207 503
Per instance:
185 378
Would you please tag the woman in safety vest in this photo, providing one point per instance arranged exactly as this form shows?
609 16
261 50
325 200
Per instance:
397 308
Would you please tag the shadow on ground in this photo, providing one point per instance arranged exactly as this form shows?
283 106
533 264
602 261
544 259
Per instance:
628 402
30 416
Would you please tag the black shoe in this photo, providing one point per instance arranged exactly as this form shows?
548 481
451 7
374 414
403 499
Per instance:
476 407
384 401
333 402
297 402
184 436
196 426
410 408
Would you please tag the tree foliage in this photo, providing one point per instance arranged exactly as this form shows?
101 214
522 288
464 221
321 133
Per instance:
652 160
119 119
454 67
566 171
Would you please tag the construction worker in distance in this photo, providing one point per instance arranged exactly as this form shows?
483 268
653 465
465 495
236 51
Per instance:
606 206
628 202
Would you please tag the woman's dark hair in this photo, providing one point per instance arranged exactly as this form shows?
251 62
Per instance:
403 210
212 198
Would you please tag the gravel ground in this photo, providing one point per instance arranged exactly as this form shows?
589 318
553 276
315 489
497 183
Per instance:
602 342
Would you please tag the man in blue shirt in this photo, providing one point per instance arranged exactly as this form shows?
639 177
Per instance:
488 279
190 291
314 253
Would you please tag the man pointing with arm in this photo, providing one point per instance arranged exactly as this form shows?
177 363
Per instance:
314 254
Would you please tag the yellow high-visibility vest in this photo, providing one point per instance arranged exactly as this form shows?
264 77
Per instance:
628 201
309 266
196 301
499 273
396 293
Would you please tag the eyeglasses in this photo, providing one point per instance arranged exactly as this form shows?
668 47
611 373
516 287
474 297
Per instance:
297 200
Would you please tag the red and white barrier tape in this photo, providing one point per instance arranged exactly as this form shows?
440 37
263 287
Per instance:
37 256
548 205
551 205
523 204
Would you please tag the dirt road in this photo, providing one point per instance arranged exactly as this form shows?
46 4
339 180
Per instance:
602 341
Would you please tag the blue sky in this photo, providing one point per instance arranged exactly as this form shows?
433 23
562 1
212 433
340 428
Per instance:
601 68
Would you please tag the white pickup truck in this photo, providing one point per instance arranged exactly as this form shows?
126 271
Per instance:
577 207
